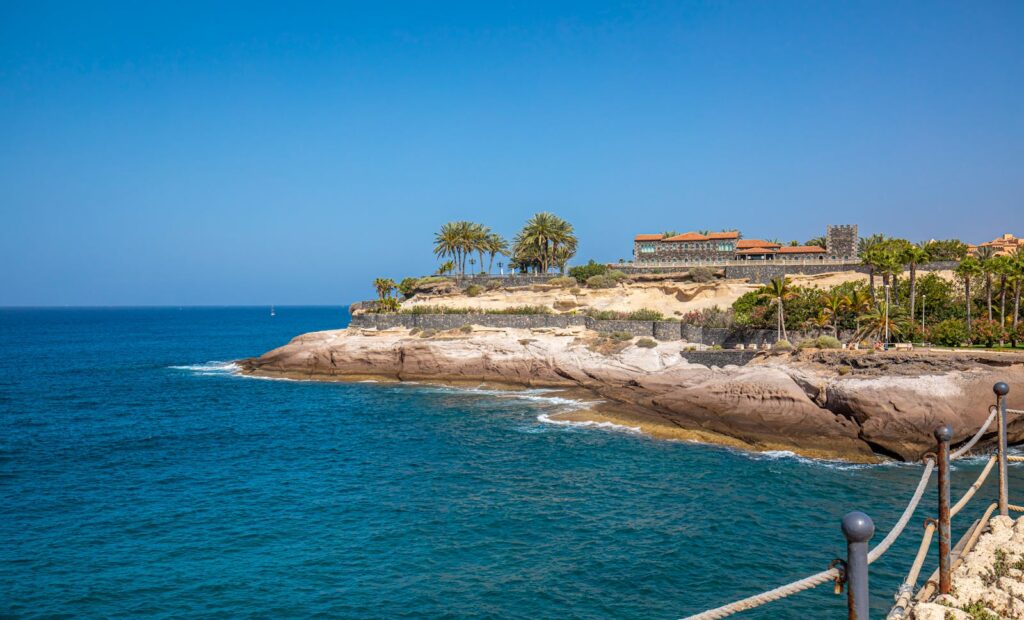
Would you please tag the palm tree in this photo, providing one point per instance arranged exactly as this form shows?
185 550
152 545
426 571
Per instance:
821 321
985 255
1002 266
869 249
873 324
668 233
857 302
832 306
777 292
914 255
446 267
1017 275
541 237
447 243
967 269
818 241
496 245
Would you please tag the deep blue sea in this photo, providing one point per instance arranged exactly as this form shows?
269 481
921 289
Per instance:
140 478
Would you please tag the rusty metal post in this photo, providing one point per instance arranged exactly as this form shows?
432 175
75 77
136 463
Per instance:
943 434
1001 390
858 529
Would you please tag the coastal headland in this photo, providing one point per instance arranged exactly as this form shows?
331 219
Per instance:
843 404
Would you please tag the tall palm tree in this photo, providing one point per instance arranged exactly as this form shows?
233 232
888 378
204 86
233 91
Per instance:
1017 275
777 292
869 250
496 245
967 270
542 235
447 243
985 255
914 255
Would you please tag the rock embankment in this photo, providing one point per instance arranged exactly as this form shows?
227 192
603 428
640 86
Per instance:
990 581
852 405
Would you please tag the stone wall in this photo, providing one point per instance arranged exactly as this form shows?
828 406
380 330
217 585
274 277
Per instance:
762 272
660 330
842 241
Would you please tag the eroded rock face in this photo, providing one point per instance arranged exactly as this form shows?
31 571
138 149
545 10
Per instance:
800 402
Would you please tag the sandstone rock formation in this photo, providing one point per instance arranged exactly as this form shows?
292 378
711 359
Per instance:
852 405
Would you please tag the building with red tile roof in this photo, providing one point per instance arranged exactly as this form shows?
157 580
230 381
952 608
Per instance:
717 247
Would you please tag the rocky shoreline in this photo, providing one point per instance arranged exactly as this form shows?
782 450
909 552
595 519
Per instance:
858 406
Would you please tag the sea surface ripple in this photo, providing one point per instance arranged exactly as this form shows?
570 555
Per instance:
141 477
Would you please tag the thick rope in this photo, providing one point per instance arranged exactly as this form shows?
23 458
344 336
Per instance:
1015 410
969 493
766 597
906 590
897 529
958 556
981 431
820 578
1015 459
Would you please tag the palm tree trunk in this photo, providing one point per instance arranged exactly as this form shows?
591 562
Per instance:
988 292
782 319
871 283
913 288
967 294
1016 303
1002 300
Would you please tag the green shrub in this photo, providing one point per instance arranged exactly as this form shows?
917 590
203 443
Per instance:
645 314
949 333
414 331
473 290
493 285
809 343
521 310
600 282
987 332
562 281
603 315
429 309
620 336
646 343
702 274
407 286
427 333
616 275
583 273
716 347
388 305
828 342
782 345
466 329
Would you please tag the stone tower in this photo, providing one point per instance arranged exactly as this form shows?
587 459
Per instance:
841 241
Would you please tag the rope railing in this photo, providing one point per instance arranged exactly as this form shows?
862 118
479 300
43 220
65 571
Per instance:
981 431
905 593
819 578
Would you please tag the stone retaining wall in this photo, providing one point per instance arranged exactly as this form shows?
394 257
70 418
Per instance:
660 330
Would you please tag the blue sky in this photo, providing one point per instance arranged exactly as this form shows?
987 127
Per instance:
247 153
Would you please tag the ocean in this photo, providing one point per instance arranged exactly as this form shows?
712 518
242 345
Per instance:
140 477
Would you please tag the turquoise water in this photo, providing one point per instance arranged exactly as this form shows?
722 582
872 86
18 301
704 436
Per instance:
140 478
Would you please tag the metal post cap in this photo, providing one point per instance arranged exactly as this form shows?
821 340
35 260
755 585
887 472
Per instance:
858 527
1001 388
944 433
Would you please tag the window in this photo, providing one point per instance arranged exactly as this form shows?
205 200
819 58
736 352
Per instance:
725 247
647 248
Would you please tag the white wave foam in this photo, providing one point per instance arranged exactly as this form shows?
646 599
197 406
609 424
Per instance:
211 368
776 455
589 424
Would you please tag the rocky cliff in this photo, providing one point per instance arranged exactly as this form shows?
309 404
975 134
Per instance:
851 405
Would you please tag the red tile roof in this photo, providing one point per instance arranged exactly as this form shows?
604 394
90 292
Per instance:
743 244
801 249
757 251
690 236
647 238
729 234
